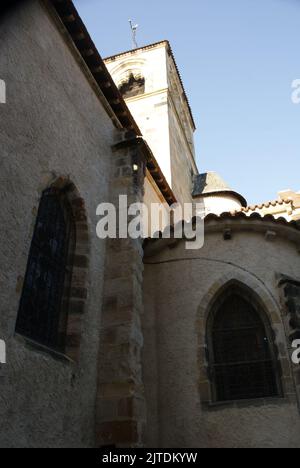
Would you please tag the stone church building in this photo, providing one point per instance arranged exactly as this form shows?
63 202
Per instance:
130 342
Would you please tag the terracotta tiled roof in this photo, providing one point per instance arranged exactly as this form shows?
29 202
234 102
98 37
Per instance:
241 215
235 216
267 205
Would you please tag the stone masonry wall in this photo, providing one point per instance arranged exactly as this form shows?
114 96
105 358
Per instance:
179 287
53 125
120 417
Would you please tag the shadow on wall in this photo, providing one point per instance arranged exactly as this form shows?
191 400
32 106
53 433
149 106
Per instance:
7 6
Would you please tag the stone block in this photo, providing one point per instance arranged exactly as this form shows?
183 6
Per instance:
118 432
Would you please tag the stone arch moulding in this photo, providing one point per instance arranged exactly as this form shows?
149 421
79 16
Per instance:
272 319
77 294
133 63
135 67
245 281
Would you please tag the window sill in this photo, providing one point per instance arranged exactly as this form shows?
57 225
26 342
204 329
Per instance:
258 402
35 346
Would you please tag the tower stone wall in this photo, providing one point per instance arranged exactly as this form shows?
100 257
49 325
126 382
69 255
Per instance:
162 111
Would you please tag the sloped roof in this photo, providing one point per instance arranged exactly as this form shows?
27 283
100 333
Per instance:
77 30
210 183
78 33
240 215
269 204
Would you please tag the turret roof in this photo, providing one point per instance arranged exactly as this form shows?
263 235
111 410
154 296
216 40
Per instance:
211 183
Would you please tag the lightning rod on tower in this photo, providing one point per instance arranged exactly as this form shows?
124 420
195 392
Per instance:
134 28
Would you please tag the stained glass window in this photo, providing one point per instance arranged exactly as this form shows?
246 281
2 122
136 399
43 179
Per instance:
43 310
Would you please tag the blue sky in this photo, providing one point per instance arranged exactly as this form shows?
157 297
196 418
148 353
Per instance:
238 59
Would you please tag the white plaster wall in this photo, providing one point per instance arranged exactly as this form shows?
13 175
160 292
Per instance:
218 204
151 109
52 124
179 280
150 61
151 114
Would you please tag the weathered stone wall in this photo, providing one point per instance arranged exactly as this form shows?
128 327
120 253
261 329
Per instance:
121 416
179 287
150 110
52 126
182 165
290 294
162 114
219 204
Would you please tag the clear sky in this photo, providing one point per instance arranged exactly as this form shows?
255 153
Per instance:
238 59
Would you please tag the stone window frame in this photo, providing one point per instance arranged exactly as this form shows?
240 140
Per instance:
231 288
272 311
289 288
79 263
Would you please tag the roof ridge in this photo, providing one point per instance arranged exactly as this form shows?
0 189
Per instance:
129 51
266 204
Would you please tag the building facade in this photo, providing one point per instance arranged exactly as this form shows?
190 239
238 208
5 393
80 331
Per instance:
131 342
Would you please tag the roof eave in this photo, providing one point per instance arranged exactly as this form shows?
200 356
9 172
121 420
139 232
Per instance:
68 15
237 195
81 38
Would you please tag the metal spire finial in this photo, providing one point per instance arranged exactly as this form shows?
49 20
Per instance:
134 28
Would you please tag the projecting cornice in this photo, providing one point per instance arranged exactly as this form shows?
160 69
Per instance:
228 224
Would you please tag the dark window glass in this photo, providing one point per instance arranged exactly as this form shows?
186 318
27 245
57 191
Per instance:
243 363
43 308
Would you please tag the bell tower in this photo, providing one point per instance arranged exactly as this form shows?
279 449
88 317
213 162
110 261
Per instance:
149 81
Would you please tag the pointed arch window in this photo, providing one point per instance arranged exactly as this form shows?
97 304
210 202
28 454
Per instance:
43 310
243 364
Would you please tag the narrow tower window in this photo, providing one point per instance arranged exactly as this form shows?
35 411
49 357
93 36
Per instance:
43 310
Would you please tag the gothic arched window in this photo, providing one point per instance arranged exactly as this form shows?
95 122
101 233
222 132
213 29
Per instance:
243 365
43 310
